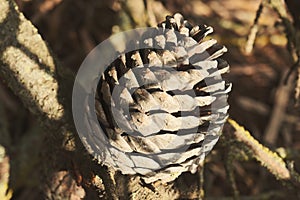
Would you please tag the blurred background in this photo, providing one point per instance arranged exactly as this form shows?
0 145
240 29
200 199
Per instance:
259 101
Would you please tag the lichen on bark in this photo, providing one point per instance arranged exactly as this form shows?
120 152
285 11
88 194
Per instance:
27 65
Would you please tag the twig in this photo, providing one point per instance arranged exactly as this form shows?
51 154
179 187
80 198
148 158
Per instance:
136 10
291 70
251 104
293 36
109 183
269 159
201 183
4 133
265 156
254 29
281 101
294 173
230 173
156 12
297 89
44 8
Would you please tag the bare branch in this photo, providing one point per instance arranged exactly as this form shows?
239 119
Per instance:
254 29
278 114
293 36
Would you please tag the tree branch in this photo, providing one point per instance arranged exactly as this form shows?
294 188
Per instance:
33 74
27 65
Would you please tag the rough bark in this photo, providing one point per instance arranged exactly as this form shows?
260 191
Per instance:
33 74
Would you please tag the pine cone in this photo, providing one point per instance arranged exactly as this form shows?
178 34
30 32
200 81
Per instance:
163 107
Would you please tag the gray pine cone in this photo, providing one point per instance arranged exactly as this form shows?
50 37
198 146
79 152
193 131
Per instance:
164 106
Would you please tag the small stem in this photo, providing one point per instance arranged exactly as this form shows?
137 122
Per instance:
254 29
201 183
230 173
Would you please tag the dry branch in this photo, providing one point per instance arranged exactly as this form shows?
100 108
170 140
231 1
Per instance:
254 29
27 64
32 73
293 36
278 114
